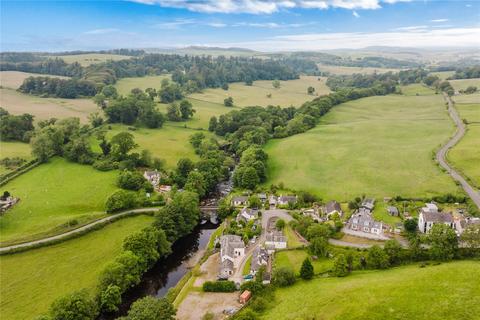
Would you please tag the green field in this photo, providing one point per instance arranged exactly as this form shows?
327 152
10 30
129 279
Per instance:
369 146
293 259
125 85
443 74
443 292
169 143
380 213
11 149
14 79
46 108
465 156
341 70
292 92
416 89
463 84
32 280
52 194
87 59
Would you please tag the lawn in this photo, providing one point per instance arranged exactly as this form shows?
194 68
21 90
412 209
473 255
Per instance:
465 156
369 146
292 239
14 79
87 59
53 194
46 108
292 92
293 259
442 292
380 213
169 143
32 280
462 84
125 85
11 149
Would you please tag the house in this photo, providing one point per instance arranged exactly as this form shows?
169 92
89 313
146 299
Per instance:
244 297
165 188
262 197
153 177
232 249
272 201
462 223
247 214
427 219
312 213
260 258
7 202
368 204
393 211
240 201
365 223
275 240
331 208
285 200
429 208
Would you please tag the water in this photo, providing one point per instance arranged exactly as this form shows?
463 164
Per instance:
167 272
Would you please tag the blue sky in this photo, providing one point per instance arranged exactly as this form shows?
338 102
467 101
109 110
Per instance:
266 25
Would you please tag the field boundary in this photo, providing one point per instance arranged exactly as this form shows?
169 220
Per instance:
6 178
75 233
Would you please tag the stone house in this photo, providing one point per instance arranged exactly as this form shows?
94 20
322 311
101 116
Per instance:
247 214
427 219
365 223
232 250
240 201
285 200
331 208
153 177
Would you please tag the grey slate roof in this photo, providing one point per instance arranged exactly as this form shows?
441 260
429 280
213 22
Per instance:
437 217
392 210
332 206
240 199
229 243
275 236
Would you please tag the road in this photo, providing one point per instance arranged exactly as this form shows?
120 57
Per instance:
442 153
237 277
74 231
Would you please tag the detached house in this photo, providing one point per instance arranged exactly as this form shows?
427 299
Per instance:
368 204
427 219
262 197
260 258
240 201
247 215
331 208
272 201
285 200
275 240
365 223
232 249
153 177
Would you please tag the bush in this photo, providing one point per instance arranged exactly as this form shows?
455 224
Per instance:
340 266
306 271
219 286
259 304
121 200
284 277
377 258
151 308
132 180
75 306
105 165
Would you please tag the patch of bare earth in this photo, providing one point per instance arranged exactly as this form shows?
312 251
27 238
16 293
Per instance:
209 270
197 304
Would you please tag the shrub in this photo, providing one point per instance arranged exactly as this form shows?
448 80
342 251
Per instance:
104 165
284 277
377 258
306 271
259 304
219 286
75 306
121 200
151 308
340 266
132 180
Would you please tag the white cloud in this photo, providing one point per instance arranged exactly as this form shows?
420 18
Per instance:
355 14
454 37
101 31
217 24
439 20
411 28
174 24
265 6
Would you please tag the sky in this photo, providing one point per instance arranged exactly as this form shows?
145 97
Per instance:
264 25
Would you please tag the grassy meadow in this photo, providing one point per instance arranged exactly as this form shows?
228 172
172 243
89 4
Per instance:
53 194
369 146
462 84
443 75
341 70
465 156
416 89
293 259
170 143
125 85
87 59
14 79
441 292
11 149
32 280
292 92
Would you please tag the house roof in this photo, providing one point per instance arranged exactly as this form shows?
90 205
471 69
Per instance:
240 199
259 258
439 217
392 209
151 174
332 206
288 198
262 196
229 243
275 236
365 221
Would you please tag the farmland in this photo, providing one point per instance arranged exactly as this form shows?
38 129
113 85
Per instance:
14 79
368 146
169 143
87 59
406 292
341 70
31 280
463 84
11 149
465 156
292 92
53 194
125 85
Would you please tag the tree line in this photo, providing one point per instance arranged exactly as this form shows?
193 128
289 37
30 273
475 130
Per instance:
59 88
466 73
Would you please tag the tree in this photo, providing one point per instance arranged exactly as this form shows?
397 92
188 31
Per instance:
228 102
132 180
95 119
249 179
212 125
16 127
276 84
318 246
306 271
471 236
393 249
110 298
79 150
254 202
121 200
173 112
340 266
280 224
377 258
284 277
410 225
121 144
151 308
310 90
186 109
74 306
443 242
319 230
196 183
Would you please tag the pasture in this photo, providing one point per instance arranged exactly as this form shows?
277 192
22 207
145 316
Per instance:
465 156
341 70
291 92
125 85
369 146
11 149
443 75
14 79
462 84
416 89
441 292
87 59
53 194
46 108
169 143
32 280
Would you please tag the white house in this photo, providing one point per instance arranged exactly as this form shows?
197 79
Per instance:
285 200
275 240
365 223
260 258
232 250
153 177
427 219
247 215
240 201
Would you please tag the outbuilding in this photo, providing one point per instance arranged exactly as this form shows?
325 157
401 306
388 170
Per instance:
244 297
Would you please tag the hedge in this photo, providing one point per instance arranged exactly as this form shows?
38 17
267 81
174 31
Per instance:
219 286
